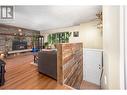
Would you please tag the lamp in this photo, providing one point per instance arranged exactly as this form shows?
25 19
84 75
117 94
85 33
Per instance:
19 30
2 56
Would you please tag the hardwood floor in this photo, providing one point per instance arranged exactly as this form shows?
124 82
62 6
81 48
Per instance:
89 86
20 74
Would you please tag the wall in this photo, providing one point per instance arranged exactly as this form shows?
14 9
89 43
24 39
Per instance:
125 49
122 47
70 64
9 32
88 34
111 47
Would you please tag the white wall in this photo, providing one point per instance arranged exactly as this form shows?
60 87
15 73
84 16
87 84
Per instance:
122 47
125 50
111 47
88 34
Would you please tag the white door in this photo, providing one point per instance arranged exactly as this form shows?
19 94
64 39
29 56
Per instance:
92 65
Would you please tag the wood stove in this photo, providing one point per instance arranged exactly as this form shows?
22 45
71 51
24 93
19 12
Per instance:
19 45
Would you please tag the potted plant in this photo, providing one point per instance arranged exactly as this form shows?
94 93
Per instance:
46 44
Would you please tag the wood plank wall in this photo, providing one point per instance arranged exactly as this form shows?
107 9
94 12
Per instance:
70 64
8 32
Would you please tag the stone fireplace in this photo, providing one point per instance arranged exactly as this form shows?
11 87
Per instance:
15 38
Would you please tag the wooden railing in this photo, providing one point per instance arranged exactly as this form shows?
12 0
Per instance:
70 64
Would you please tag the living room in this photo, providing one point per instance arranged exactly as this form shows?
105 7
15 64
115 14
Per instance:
46 47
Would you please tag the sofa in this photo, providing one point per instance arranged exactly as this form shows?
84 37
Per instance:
2 72
47 62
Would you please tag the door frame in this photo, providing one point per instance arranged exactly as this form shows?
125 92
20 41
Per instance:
123 47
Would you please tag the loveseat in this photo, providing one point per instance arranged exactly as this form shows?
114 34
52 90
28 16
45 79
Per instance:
47 62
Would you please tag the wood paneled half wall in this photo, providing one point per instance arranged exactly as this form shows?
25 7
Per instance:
70 64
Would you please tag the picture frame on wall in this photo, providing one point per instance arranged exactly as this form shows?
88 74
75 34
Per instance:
76 34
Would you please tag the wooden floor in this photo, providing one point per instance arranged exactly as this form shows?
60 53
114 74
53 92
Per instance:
89 86
20 74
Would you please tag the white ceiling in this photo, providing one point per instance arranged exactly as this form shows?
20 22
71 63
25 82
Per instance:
51 17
